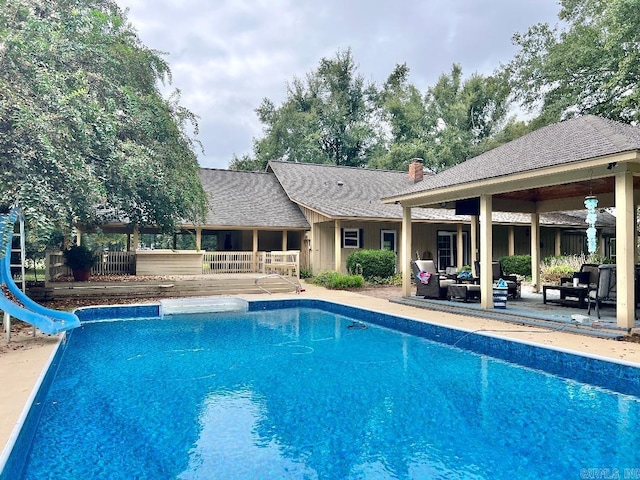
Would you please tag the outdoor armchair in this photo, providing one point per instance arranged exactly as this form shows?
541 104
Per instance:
430 283
587 276
605 291
513 283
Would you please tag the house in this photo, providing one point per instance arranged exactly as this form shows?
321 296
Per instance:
344 211
555 168
327 212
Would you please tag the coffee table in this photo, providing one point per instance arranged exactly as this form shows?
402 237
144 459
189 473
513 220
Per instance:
464 291
569 295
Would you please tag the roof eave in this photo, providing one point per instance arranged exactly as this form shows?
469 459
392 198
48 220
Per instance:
583 170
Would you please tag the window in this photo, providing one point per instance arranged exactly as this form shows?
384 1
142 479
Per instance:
351 238
447 253
612 249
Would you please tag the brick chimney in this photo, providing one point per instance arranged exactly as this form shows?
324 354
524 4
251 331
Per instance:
416 172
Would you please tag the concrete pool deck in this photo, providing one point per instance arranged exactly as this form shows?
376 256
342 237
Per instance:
23 360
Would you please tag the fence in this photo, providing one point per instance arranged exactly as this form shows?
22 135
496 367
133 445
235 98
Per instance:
115 263
124 263
228 262
109 263
283 263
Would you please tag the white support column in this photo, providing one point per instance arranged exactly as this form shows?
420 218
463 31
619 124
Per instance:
460 248
535 252
625 250
198 238
486 248
558 243
474 240
78 237
337 245
254 249
512 240
602 248
284 241
405 252
635 234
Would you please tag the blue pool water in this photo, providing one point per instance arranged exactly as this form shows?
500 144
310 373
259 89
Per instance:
310 393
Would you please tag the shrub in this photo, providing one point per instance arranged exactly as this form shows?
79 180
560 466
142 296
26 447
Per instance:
516 265
79 257
395 280
554 268
372 263
552 275
338 281
305 273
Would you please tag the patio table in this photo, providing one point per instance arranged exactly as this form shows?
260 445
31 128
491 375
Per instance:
569 295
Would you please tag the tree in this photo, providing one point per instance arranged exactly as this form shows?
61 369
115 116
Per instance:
461 115
403 110
590 65
83 123
326 118
452 122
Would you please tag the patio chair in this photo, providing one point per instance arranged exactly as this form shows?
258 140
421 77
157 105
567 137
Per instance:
430 283
605 291
513 284
587 276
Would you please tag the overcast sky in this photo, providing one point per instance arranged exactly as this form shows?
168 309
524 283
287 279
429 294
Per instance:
227 55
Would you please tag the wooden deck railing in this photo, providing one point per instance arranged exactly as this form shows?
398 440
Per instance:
228 262
109 263
54 266
283 263
123 263
115 263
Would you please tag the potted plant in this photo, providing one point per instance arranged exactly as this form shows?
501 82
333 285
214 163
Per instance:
80 260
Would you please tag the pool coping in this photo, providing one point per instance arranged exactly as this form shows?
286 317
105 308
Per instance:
27 413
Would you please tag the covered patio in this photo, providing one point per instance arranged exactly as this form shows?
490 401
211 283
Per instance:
552 169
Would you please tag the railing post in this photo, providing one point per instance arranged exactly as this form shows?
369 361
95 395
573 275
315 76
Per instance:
47 266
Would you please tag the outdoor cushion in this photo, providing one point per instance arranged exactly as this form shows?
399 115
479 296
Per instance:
423 277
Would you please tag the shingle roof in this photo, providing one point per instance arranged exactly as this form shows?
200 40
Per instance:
565 142
347 192
340 191
249 199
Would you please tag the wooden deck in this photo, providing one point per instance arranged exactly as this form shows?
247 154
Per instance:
182 286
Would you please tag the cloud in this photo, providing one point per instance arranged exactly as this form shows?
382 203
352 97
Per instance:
227 55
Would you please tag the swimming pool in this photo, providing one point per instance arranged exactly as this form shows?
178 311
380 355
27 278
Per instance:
305 389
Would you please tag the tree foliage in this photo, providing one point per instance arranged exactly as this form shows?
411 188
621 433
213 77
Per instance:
402 109
324 119
83 123
462 114
453 121
333 117
588 65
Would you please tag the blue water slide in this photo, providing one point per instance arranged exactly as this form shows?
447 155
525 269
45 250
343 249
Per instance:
13 301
